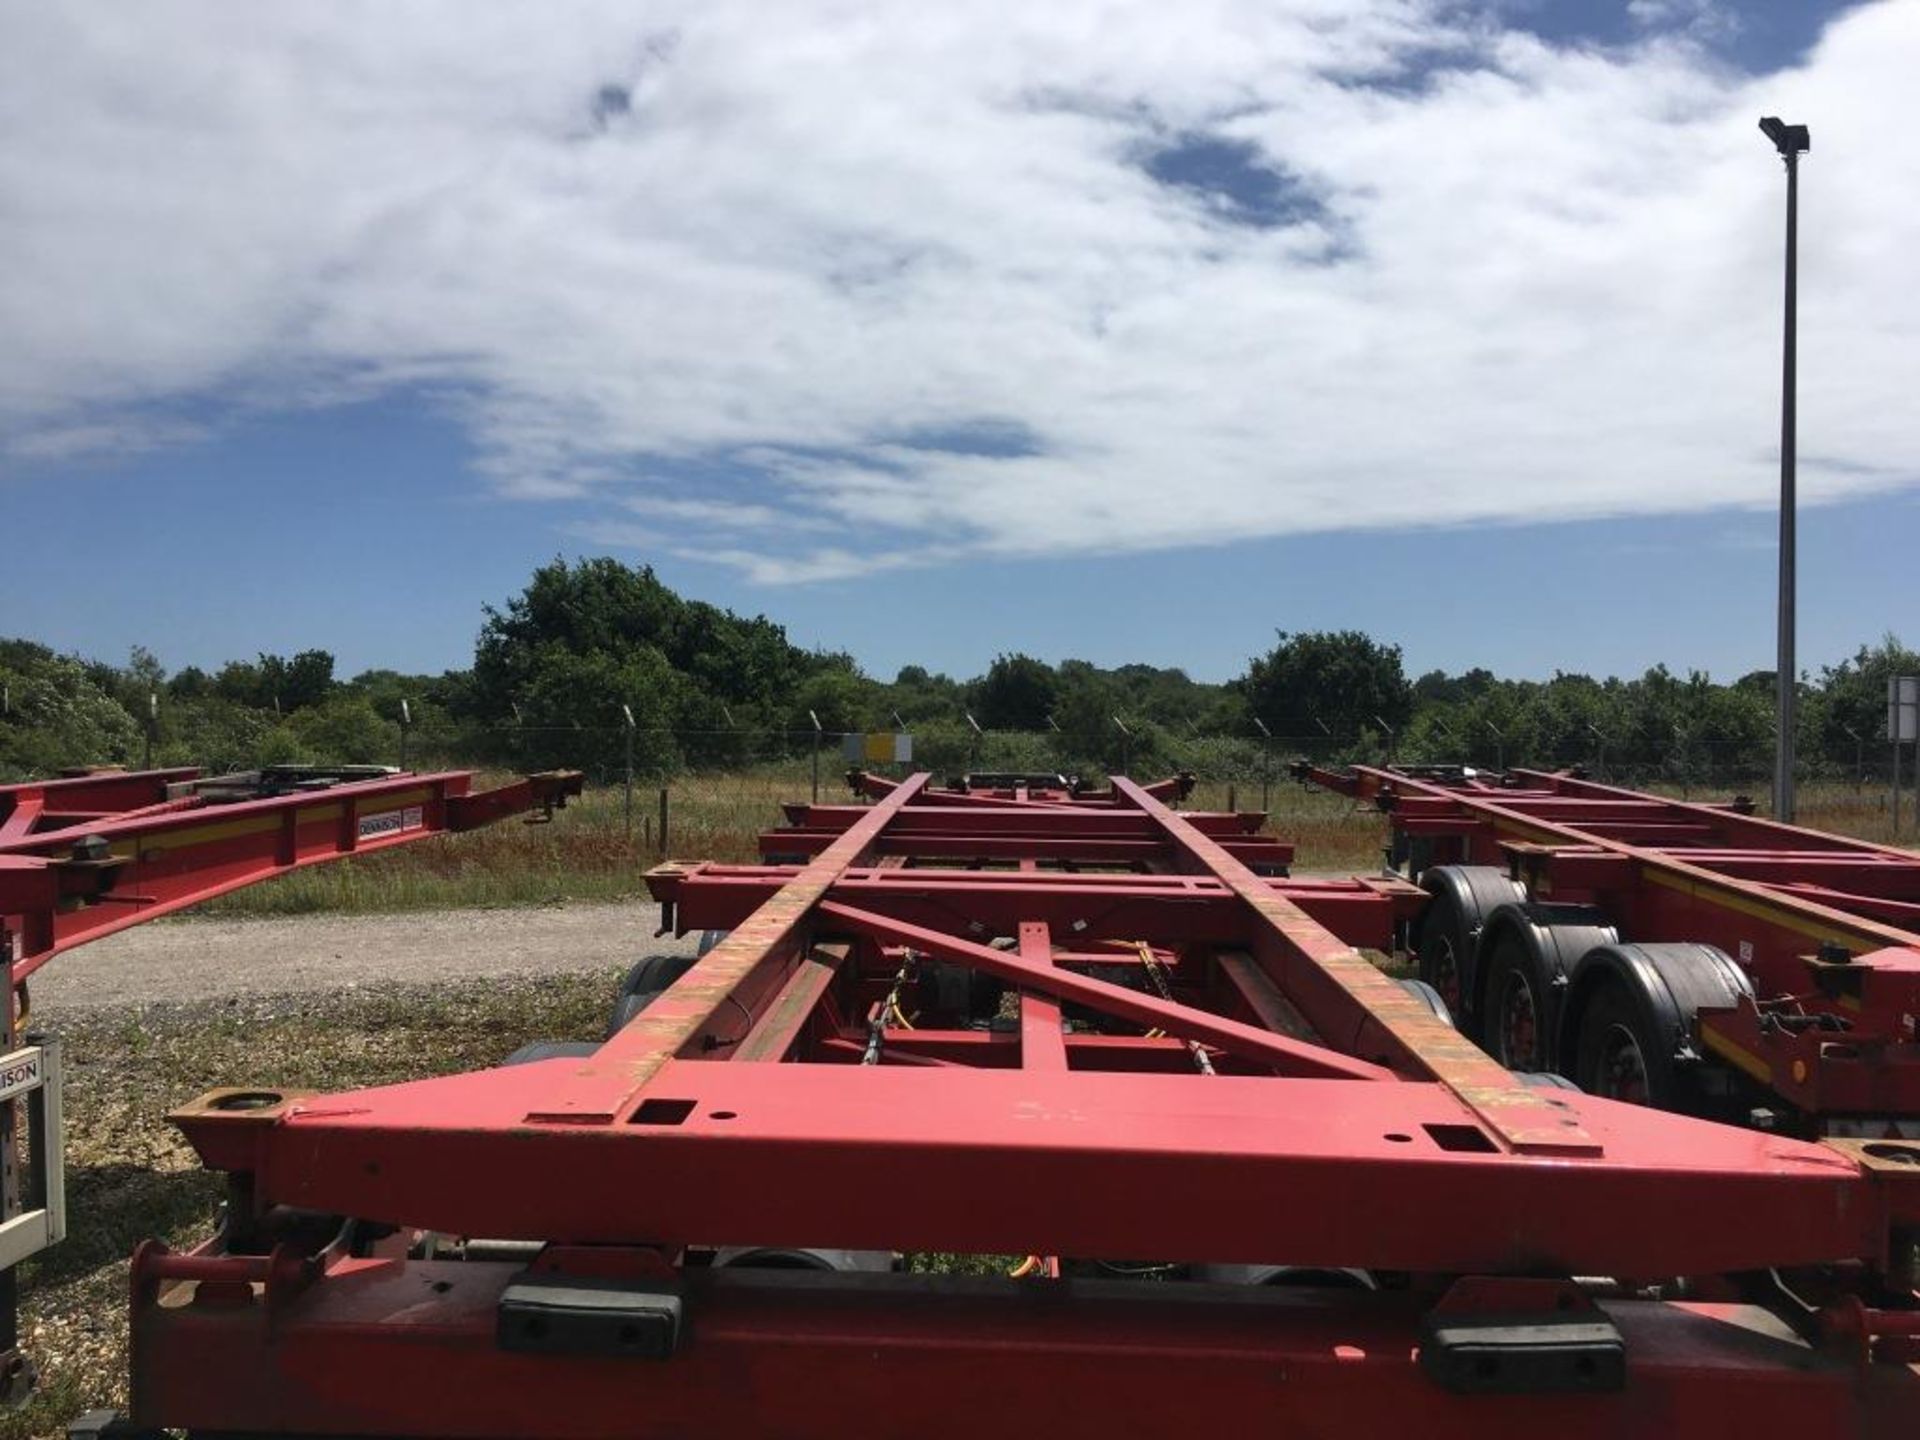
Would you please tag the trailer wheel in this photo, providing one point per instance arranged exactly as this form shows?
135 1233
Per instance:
645 981
1515 1007
1628 1029
1463 897
1616 1057
1527 953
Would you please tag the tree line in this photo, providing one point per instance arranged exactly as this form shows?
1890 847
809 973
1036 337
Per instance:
596 660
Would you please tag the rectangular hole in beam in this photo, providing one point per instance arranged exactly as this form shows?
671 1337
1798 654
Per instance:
1469 1139
667 1112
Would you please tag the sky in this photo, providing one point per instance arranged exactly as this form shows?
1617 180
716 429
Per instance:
1117 331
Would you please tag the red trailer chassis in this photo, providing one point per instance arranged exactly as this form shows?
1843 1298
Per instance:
86 856
1825 930
964 1024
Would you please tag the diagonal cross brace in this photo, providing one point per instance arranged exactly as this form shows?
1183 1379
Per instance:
1249 1042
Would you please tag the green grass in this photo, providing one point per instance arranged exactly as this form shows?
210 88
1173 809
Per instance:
588 854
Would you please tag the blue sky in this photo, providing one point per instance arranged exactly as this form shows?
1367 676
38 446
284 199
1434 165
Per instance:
1453 323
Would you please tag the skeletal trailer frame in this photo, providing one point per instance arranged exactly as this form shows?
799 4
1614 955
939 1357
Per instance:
86 856
1827 928
1269 1096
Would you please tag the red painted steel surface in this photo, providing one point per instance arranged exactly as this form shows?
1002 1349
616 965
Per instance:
86 857
818 1357
1178 1062
1769 895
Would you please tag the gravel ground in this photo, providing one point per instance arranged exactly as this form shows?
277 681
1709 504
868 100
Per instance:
195 959
131 1176
159 1013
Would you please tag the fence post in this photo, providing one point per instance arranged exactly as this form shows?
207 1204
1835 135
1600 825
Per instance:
153 724
627 788
1499 745
406 724
663 822
816 755
1393 739
1896 781
1266 766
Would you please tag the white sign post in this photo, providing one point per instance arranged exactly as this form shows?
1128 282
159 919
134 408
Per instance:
1903 724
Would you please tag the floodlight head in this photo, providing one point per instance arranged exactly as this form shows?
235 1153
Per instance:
1787 139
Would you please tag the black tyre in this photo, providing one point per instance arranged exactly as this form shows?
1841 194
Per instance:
1617 1055
1513 1027
644 981
1463 897
1527 953
1628 1028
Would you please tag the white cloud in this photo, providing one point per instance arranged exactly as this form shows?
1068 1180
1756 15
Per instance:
1703 19
816 290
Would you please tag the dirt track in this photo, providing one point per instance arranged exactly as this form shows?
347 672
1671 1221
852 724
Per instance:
188 960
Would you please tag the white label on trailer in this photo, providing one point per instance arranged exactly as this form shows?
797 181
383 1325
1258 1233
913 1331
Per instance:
19 1073
392 822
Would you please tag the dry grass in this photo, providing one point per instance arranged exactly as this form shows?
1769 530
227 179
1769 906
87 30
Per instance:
589 854
1863 813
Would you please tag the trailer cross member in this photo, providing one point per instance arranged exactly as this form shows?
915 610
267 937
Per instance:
993 1038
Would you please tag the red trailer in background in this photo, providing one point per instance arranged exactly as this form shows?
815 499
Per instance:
1017 1108
1693 957
88 855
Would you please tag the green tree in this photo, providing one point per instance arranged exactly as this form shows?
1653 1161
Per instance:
1855 693
1342 680
346 730
1017 693
58 717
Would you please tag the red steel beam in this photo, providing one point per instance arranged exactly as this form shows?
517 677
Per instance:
1043 1043
1086 849
605 1087
817 1357
154 859
1001 821
1387 1175
1362 911
1344 996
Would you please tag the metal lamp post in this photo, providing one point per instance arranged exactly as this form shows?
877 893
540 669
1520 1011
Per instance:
1792 141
